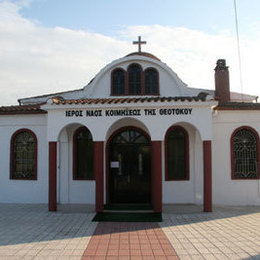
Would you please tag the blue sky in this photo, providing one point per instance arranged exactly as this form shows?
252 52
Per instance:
58 45
107 16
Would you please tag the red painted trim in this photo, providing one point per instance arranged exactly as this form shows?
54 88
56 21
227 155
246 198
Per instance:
107 170
12 158
107 152
232 152
52 176
157 175
127 81
75 157
207 180
157 81
99 174
134 64
187 152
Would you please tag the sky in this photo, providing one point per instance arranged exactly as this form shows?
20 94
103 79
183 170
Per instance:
51 46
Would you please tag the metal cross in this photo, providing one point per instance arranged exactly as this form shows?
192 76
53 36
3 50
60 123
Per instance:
139 42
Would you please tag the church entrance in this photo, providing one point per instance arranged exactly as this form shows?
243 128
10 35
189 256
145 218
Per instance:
130 167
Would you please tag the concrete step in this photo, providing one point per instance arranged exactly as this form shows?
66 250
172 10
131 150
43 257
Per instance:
146 208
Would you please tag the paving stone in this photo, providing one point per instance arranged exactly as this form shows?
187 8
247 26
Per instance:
184 257
226 233
31 232
134 240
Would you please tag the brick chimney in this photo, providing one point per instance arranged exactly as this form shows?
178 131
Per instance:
222 92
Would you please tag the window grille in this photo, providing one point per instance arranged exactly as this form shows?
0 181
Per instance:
24 156
245 154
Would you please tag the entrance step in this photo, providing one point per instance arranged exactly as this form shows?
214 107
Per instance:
145 208
127 217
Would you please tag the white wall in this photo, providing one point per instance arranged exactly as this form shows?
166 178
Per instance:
188 191
23 191
200 118
57 127
198 125
225 190
169 84
69 190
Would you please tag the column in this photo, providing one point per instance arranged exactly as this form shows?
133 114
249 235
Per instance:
99 174
207 183
157 175
52 176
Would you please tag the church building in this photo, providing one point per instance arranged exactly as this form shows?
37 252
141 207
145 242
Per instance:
135 134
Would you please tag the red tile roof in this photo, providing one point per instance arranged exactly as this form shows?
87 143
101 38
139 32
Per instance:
35 109
91 101
146 54
238 106
22 109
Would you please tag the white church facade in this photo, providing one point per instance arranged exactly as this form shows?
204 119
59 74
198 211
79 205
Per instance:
136 134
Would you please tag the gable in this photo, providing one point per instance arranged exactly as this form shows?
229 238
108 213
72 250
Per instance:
169 82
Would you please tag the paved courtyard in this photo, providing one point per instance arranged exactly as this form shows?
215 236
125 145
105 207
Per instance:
227 233
31 232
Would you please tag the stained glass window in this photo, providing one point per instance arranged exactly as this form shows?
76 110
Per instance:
177 154
24 155
83 155
244 153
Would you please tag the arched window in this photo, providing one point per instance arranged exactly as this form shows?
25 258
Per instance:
177 154
135 81
23 161
83 150
245 153
151 81
118 82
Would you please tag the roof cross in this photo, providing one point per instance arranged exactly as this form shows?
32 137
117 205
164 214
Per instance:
139 42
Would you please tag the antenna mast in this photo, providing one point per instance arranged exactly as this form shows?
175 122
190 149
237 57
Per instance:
238 51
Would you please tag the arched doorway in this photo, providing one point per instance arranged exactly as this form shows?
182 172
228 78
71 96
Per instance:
129 163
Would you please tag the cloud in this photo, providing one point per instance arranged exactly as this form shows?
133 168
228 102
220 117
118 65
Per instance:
192 54
37 60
